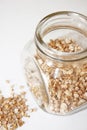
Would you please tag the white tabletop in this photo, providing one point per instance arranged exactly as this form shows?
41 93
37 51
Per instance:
18 20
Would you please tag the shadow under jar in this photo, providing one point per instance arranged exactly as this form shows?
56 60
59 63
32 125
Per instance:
55 63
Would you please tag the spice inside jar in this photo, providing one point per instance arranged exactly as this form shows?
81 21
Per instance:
67 83
65 45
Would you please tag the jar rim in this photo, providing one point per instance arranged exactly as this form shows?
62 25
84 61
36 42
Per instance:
55 54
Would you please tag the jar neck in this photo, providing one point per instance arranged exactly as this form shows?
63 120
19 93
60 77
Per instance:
61 21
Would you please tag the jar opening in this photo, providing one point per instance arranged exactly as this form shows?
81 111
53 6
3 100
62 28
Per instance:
62 24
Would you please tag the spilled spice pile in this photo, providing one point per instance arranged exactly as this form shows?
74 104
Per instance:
12 110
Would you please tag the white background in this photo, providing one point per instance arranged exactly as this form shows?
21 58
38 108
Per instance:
18 20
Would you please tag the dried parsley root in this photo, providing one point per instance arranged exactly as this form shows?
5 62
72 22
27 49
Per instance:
66 82
65 45
12 111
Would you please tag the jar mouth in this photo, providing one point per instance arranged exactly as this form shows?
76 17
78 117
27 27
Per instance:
54 21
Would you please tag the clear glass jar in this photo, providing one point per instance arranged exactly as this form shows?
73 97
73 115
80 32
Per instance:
57 79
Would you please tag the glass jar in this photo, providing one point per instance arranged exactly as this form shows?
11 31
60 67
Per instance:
58 78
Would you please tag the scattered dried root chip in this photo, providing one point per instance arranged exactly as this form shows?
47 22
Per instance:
12 110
